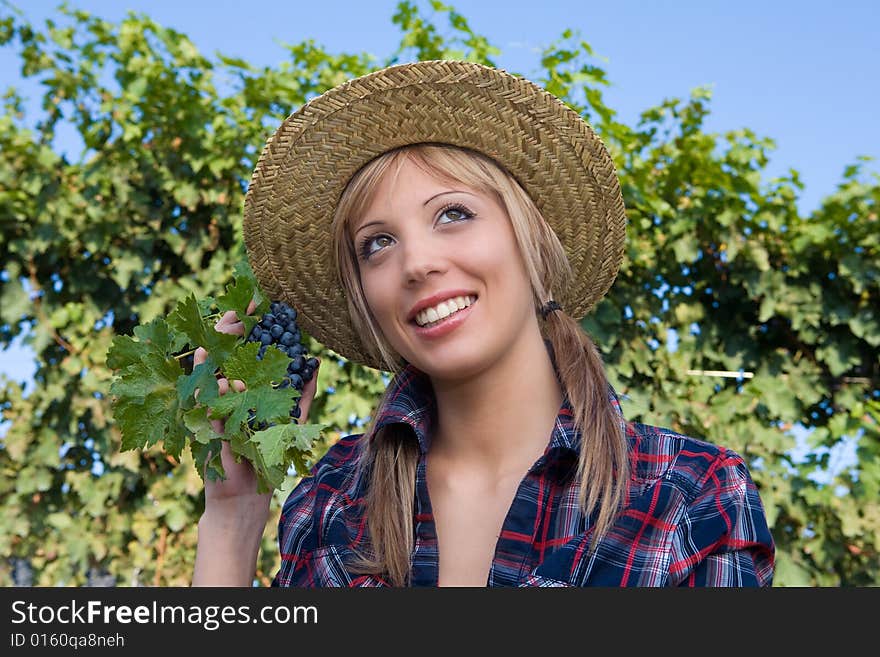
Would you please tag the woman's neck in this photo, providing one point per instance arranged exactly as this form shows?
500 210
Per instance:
493 423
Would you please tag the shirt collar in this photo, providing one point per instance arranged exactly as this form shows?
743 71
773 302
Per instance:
411 401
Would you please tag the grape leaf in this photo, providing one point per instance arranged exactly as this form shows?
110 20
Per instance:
148 421
239 293
208 460
137 422
149 374
269 476
154 338
187 319
275 443
196 420
305 435
272 442
124 351
147 402
202 377
154 399
205 445
242 364
299 463
269 404
242 269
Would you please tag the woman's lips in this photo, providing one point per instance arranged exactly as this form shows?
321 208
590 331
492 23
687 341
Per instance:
446 326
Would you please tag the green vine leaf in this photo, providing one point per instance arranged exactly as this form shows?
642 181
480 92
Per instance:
155 400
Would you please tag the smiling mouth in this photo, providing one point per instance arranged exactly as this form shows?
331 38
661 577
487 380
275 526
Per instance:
443 319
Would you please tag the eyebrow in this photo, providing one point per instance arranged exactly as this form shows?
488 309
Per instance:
379 222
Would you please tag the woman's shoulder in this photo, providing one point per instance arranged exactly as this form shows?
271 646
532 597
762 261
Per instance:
690 463
341 457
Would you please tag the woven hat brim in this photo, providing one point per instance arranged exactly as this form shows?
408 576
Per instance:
303 169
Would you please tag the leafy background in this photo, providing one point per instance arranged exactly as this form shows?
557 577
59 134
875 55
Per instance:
151 211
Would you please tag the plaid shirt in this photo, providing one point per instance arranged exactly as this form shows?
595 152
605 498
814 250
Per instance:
693 516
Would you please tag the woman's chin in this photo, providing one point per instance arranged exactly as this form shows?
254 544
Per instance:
449 367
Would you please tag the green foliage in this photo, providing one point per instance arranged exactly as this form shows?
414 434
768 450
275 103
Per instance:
153 398
125 244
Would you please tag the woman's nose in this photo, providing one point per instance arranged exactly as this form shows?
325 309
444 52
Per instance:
421 256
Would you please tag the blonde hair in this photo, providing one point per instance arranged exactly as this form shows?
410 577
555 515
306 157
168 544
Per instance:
391 455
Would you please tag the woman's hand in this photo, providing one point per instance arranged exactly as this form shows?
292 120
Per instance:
235 516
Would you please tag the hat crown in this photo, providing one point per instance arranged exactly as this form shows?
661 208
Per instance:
308 161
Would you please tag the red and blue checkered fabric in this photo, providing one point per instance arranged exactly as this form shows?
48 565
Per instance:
693 516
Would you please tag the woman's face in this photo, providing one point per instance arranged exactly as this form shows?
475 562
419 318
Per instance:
421 237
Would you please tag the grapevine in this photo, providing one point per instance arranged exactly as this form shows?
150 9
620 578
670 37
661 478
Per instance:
154 389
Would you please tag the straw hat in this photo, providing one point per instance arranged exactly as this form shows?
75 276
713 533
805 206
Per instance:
307 163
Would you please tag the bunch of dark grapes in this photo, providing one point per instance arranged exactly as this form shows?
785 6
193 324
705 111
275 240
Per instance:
278 327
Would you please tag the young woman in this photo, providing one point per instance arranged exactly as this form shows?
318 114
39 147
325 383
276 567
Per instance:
451 223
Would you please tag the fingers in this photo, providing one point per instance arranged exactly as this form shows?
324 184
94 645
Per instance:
223 384
230 323
200 355
219 426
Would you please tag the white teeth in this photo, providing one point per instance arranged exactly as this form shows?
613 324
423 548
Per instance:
443 309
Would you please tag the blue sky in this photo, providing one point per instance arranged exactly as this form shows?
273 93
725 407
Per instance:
803 73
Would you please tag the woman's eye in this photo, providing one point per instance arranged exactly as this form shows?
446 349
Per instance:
453 212
456 212
365 250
